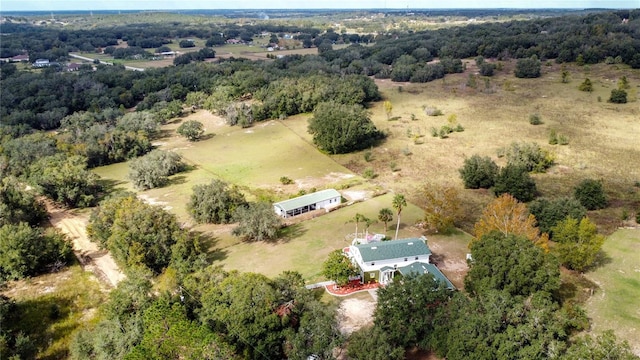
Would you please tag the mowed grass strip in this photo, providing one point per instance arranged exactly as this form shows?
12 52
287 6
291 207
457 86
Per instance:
616 304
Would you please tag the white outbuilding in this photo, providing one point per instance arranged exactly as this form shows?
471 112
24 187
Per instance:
323 199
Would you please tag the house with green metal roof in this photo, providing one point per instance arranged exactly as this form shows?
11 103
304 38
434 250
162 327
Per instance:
323 199
382 261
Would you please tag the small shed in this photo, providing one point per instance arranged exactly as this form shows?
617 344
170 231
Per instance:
323 199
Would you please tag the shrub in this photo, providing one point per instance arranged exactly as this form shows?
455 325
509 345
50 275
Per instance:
153 170
553 137
535 119
638 216
528 68
529 156
191 129
563 140
284 180
478 172
459 128
257 222
215 202
432 111
369 173
590 194
618 96
368 155
434 132
515 180
586 85
26 251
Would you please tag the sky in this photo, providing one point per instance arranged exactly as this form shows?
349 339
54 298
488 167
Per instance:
52 5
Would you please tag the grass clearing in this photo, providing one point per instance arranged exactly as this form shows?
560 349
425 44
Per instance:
616 304
52 306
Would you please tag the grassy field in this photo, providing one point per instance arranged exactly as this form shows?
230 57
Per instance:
616 304
603 137
53 306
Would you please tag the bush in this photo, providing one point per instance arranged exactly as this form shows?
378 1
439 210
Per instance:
369 174
432 111
257 222
515 180
153 170
215 202
528 68
549 212
590 194
478 172
586 85
191 129
529 156
535 119
26 251
284 180
553 137
618 96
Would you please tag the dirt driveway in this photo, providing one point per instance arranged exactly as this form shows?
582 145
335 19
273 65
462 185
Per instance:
99 262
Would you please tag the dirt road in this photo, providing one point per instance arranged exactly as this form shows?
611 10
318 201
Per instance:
91 257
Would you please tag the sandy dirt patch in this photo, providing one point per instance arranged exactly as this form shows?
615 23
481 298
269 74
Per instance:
99 262
353 314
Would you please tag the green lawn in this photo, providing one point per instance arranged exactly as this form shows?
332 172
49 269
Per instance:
616 304
305 245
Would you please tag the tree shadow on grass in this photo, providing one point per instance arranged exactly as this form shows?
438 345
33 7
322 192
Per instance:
206 137
290 232
176 180
602 259
209 245
110 186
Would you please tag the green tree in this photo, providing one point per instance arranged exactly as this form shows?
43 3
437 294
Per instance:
516 181
408 309
339 128
169 334
215 202
358 218
478 172
618 96
398 203
372 343
19 205
137 233
496 325
512 264
243 306
191 129
528 68
529 156
590 193
586 85
153 170
27 251
602 346
318 333
338 268
257 222
66 180
549 212
578 243
385 215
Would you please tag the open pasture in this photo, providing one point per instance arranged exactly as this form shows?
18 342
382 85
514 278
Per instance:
616 303
603 137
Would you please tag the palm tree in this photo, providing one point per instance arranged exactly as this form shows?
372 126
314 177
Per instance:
358 218
385 215
398 203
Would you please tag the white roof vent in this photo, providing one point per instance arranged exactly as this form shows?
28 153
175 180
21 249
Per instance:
410 243
374 247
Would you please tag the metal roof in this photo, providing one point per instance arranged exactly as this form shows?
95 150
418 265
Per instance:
394 249
304 200
420 268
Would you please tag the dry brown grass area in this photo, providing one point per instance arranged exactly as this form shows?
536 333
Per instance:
603 137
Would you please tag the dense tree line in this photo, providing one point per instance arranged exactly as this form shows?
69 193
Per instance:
211 314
